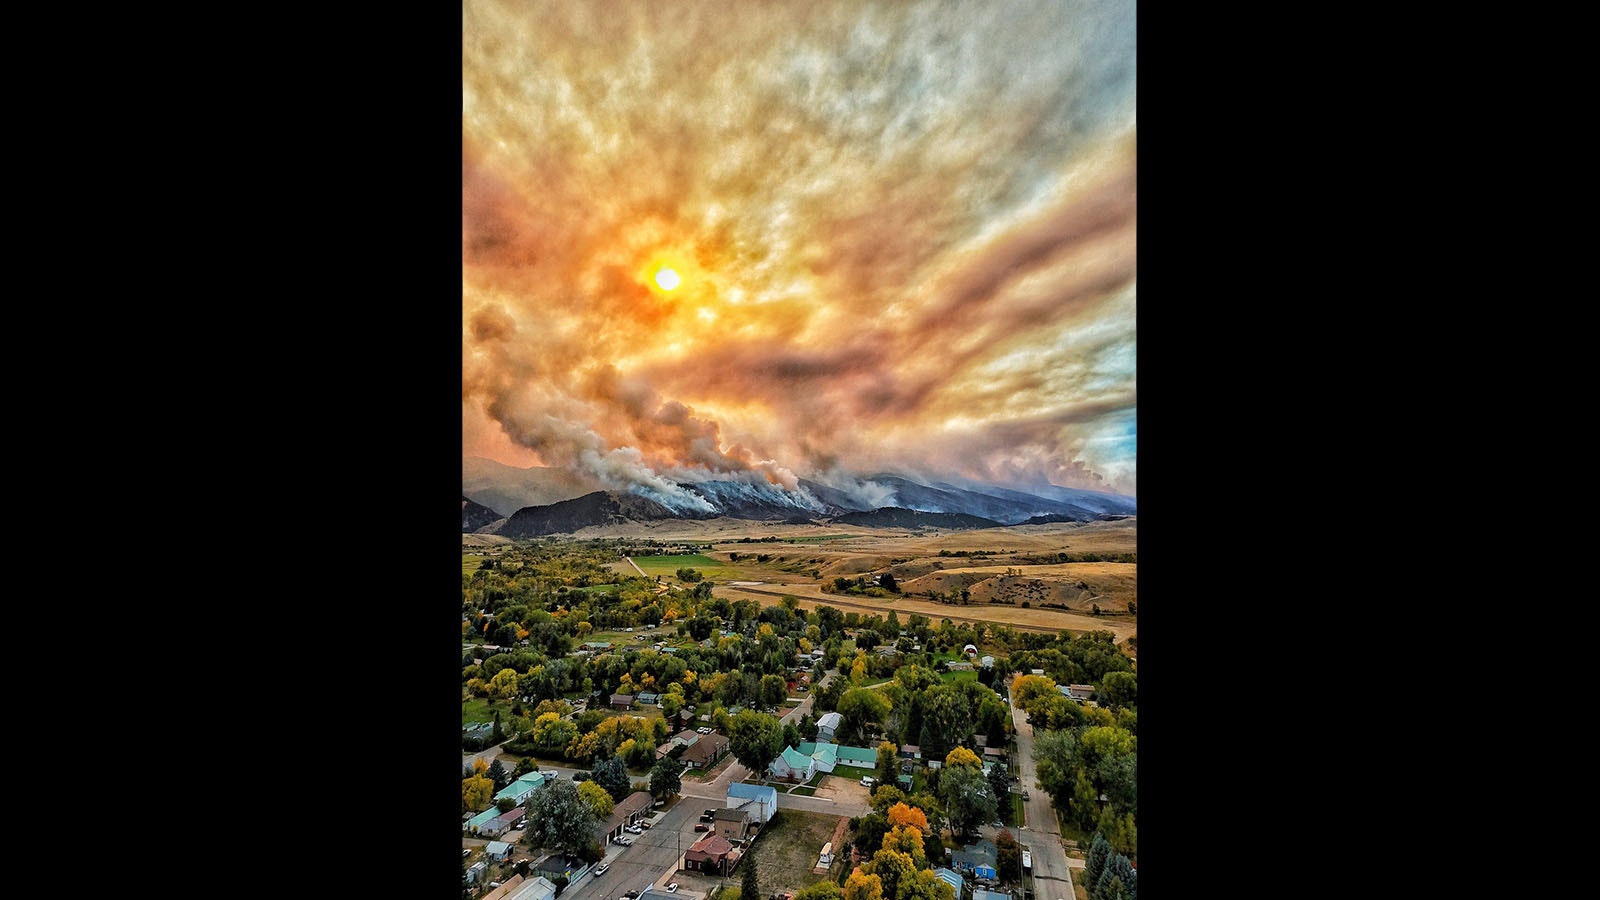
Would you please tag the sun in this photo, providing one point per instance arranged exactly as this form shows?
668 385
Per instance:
667 279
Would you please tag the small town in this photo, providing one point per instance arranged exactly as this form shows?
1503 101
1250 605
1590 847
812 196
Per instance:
690 746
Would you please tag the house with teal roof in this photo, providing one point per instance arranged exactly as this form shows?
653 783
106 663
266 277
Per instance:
791 763
522 788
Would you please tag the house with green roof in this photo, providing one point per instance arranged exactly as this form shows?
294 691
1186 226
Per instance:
522 788
793 764
472 825
829 755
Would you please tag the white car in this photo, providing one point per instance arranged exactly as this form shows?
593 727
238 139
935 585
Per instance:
602 868
672 888
634 829
867 781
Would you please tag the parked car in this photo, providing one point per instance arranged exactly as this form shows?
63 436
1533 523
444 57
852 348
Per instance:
708 815
645 825
867 780
633 829
602 869
672 888
623 842
701 826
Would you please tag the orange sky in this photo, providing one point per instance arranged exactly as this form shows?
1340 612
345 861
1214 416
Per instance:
906 235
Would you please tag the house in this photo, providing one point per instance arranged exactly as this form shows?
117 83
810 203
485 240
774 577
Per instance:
522 788
536 888
505 890
648 698
904 781
1035 671
764 798
958 666
497 850
734 824
681 739
976 858
1079 692
980 894
826 756
502 823
476 870
711 854
987 662
705 752
886 650
622 701
596 646
910 751
828 726
952 878
794 765
633 807
477 822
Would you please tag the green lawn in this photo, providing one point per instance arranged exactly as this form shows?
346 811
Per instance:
854 773
953 677
479 709
673 563
804 791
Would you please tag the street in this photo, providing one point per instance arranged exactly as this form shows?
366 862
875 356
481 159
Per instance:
1041 834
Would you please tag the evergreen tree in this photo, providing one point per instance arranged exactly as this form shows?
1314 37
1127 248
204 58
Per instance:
498 774
498 734
1000 783
749 887
1095 864
612 774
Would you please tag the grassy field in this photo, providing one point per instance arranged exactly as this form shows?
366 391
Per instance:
804 791
953 677
674 563
788 848
470 562
480 709
852 773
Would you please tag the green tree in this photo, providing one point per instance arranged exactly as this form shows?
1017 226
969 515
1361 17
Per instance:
749 885
1095 860
1000 786
665 779
1119 689
612 775
498 774
820 890
505 804
791 735
559 819
967 799
755 739
861 708
888 765
500 735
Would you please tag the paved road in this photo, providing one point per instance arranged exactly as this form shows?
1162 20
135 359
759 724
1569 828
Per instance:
653 854
1042 833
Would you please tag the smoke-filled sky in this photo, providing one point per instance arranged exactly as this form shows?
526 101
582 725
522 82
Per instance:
904 233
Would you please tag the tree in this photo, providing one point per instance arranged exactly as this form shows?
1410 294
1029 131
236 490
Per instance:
821 890
946 720
1119 689
967 799
559 819
791 735
863 886
597 798
861 707
773 689
961 756
665 779
755 739
505 804
1095 860
612 775
749 886
903 816
886 580
888 766
1008 857
498 774
1000 784
476 793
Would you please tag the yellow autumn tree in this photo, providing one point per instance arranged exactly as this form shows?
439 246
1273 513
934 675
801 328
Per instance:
479 766
901 815
961 756
476 792
908 840
861 886
595 797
